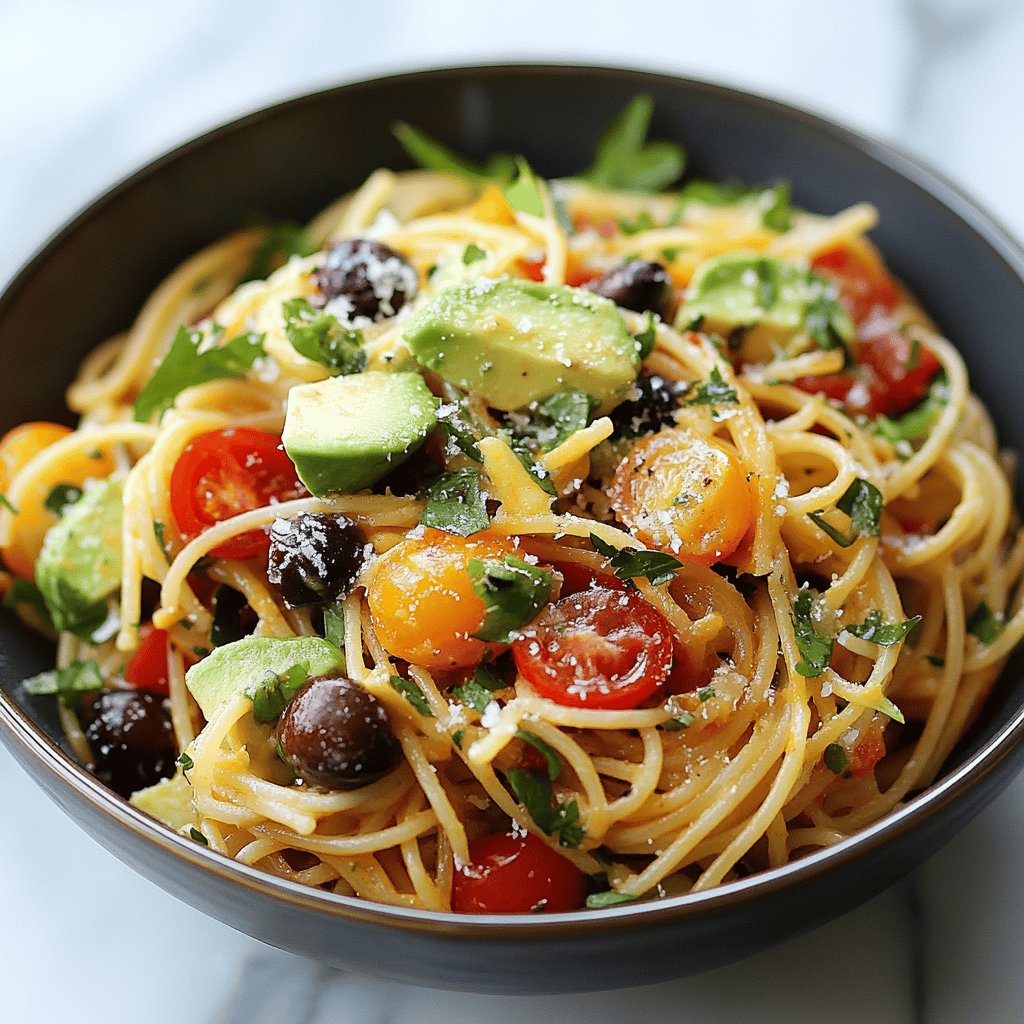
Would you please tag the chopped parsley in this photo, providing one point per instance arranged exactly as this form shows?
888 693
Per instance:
61 496
713 391
270 696
472 254
533 791
512 591
69 684
862 504
629 563
319 336
185 366
413 694
456 504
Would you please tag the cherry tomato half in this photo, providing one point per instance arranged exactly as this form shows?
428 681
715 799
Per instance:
224 473
599 648
516 874
862 290
577 577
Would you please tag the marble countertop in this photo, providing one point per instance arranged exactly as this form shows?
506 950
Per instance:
90 91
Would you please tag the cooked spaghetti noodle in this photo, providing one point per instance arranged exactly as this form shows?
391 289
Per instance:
799 698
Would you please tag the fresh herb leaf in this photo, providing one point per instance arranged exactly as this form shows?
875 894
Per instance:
456 504
554 766
26 592
473 254
935 659
533 791
457 737
430 153
913 360
629 563
835 758
279 243
197 836
67 683
815 649
917 422
227 626
599 900
624 160
776 209
413 694
8 504
61 496
334 625
319 336
185 762
681 720
825 320
524 194
713 391
184 366
876 630
461 426
671 253
886 707
270 696
705 693
541 477
560 416
644 222
158 532
985 624
512 591
646 338
479 691
862 503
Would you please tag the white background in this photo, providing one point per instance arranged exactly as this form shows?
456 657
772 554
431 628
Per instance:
88 91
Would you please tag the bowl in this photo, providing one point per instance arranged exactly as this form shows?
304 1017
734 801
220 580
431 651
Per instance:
289 161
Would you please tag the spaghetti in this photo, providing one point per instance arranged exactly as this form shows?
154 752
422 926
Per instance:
773 582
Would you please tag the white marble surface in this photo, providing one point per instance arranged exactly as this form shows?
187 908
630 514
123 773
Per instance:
90 90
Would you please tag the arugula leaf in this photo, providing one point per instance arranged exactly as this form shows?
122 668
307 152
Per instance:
473 254
862 503
646 338
26 592
413 694
624 160
599 900
428 152
184 365
67 683
876 630
815 649
986 624
319 336
270 696
512 591
713 391
533 791
226 626
775 207
554 766
280 241
629 563
61 496
835 758
334 625
479 691
456 504
524 194
560 416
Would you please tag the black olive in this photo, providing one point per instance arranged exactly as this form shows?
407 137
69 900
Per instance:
314 557
639 285
336 734
370 276
653 407
131 739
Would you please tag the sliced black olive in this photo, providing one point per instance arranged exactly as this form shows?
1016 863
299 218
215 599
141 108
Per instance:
131 739
336 734
639 285
371 277
652 409
314 557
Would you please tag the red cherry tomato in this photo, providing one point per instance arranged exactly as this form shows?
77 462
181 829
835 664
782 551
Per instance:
532 268
862 290
577 577
516 874
596 649
147 669
224 473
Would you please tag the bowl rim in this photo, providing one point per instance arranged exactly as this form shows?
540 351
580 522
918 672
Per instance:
20 729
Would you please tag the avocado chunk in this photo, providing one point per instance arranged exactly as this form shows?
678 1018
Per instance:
516 342
80 562
233 668
345 433
169 801
763 305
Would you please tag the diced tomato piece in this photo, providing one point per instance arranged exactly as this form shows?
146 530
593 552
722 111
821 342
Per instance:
147 669
533 269
862 290
867 753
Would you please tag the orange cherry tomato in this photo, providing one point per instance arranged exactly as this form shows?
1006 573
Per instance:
516 874
686 495
23 443
224 473
422 602
598 648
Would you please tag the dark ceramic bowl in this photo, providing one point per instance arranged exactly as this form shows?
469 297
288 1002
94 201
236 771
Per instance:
290 161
